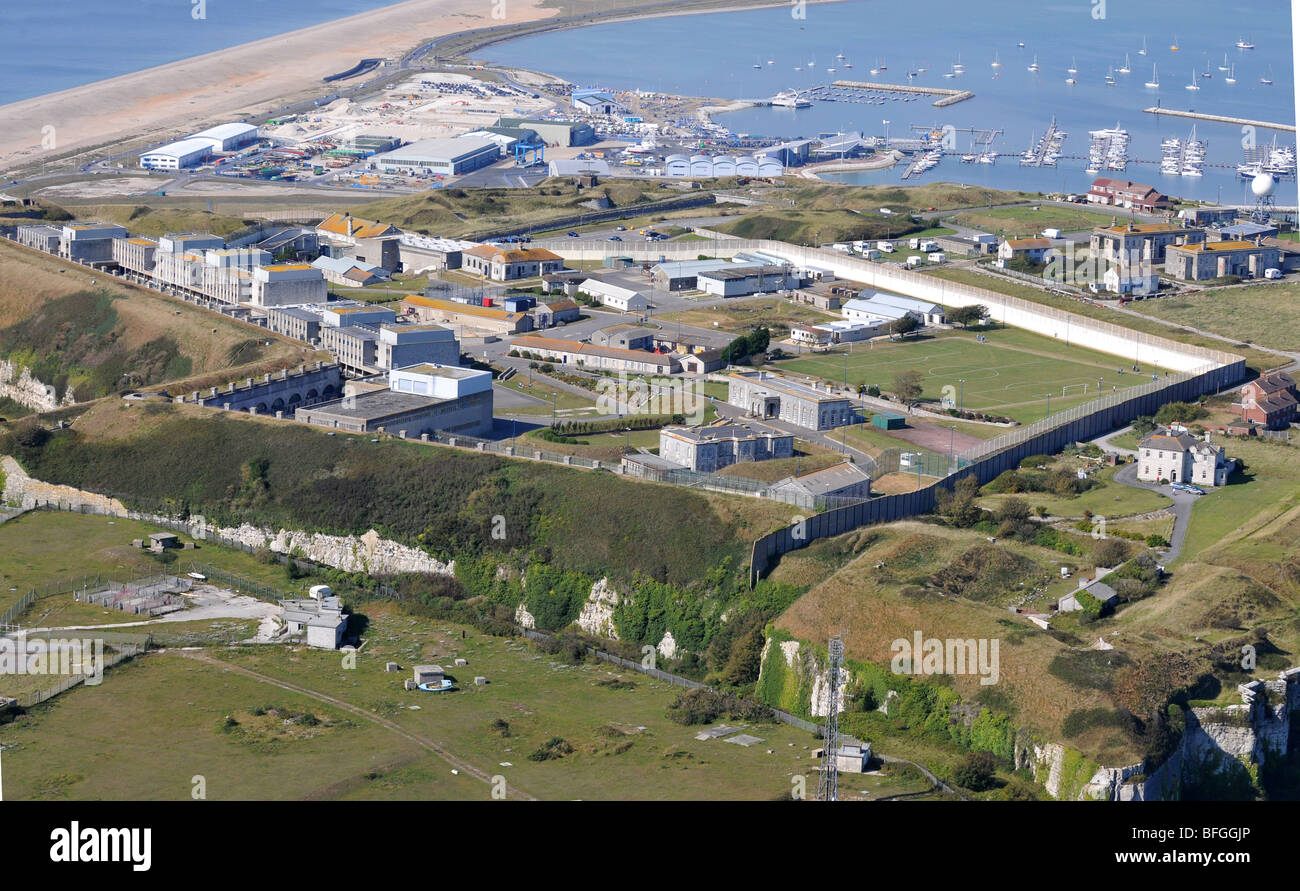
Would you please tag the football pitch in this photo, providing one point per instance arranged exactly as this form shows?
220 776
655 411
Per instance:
1009 372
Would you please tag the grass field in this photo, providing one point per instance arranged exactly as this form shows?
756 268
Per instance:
159 721
776 314
1255 359
1028 221
1264 314
1011 374
47 549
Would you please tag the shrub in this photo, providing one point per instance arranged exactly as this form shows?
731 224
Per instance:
554 748
976 772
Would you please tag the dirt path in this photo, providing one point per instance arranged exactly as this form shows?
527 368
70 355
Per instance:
424 742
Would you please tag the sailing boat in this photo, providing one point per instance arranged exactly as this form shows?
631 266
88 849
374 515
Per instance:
1035 66
1245 44
1206 72
1224 66
1193 85
758 65
1174 46
1232 76
1073 69
1110 77
1143 51
1126 69
958 66
1154 82
996 63
1267 80
883 66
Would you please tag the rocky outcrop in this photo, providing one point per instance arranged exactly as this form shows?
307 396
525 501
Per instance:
820 704
352 553
22 490
17 383
667 646
523 618
369 552
597 616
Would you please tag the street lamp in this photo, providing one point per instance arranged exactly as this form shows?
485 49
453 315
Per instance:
1049 406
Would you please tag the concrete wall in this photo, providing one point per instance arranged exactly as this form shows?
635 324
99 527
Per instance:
888 508
306 386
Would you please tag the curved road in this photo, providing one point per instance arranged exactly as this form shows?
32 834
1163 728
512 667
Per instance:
1182 507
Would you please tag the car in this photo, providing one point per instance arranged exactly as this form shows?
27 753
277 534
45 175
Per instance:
615 238
620 228
1195 490
573 234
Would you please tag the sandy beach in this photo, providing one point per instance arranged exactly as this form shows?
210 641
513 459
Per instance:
171 100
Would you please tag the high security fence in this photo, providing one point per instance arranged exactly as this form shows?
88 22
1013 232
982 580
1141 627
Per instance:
1081 424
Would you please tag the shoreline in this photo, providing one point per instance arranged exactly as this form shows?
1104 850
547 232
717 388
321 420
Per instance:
260 76
235 82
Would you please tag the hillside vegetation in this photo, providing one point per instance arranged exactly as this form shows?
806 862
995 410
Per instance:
143 219
456 211
77 330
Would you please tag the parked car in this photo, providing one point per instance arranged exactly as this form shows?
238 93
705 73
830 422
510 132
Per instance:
615 238
573 234
1195 490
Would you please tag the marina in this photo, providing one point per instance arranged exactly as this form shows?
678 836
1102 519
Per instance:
1047 150
1183 157
1108 150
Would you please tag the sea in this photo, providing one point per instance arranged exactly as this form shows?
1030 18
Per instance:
58 44
66 43
715 55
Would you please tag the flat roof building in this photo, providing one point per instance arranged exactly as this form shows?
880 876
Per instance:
418 400
481 319
287 284
1217 259
449 157
562 133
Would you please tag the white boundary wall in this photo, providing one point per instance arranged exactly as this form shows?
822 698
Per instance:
1131 346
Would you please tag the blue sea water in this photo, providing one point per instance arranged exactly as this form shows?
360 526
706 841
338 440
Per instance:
58 44
713 55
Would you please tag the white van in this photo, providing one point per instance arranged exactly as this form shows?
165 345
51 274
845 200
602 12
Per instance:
1273 273
1052 233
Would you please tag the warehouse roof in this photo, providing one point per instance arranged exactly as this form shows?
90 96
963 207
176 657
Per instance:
225 131
449 149
468 309
180 148
587 349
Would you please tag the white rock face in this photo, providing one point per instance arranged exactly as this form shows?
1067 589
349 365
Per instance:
821 692
597 616
351 553
668 646
523 618
17 383
790 650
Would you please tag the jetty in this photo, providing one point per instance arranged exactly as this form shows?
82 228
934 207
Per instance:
1224 119
946 97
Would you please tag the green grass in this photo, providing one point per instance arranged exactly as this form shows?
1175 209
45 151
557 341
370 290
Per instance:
1010 375
48 549
1026 221
1264 314
157 723
1108 500
1255 359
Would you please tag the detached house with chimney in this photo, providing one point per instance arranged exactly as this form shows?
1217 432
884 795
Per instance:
1176 456
1035 250
1270 400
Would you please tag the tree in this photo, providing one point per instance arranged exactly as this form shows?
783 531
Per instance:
976 771
907 385
905 326
968 315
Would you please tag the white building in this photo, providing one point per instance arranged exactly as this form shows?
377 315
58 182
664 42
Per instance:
321 618
439 381
288 284
177 155
1180 457
883 302
614 296
227 137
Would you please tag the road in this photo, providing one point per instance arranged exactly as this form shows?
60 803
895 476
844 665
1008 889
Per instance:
1182 507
